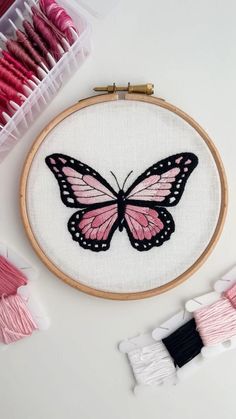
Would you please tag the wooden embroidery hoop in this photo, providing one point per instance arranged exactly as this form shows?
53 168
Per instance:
109 98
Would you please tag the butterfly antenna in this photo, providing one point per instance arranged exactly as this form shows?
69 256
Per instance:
126 179
116 180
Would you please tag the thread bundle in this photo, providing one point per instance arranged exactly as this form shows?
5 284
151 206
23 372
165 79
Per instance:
152 364
11 278
184 344
216 323
29 55
211 325
16 320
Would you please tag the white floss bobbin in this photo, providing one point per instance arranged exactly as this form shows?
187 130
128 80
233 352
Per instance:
151 363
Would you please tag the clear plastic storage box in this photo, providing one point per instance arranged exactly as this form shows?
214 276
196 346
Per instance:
53 81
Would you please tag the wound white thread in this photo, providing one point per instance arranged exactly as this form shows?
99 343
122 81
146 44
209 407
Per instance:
152 365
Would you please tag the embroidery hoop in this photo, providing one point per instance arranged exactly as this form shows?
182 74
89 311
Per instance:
104 98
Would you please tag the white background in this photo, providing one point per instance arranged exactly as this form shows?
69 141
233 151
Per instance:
74 370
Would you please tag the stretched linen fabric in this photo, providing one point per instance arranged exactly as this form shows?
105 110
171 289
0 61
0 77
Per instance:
124 136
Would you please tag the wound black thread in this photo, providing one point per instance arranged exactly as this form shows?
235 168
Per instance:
184 344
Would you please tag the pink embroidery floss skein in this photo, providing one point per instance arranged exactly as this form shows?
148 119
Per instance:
231 295
60 18
25 42
11 278
16 321
11 79
18 52
11 93
47 34
35 38
216 323
20 67
4 63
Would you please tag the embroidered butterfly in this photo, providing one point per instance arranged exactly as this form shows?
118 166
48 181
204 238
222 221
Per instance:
140 209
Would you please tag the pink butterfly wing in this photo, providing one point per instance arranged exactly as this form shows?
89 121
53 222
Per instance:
93 229
148 227
148 224
164 182
80 185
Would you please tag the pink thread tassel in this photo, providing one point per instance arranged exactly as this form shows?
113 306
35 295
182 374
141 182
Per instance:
216 323
231 295
11 278
57 15
16 321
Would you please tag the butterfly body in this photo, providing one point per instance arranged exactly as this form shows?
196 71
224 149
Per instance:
121 204
140 210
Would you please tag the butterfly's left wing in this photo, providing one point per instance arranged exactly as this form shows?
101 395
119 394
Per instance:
93 229
80 185
164 182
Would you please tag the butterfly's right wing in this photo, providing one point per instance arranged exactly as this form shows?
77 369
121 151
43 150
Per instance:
80 185
93 229
164 182
148 227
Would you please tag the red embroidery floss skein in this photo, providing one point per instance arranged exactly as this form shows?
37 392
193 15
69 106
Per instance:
216 323
4 63
18 52
10 93
11 79
35 38
59 17
20 67
46 33
26 44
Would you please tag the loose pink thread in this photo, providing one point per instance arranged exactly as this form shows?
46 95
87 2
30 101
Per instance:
11 278
216 323
16 321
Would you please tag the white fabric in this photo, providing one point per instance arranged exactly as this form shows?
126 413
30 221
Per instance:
123 136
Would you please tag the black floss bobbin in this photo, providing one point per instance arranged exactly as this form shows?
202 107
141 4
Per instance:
184 344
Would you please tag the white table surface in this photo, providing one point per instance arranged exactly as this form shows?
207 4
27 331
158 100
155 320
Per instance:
74 370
